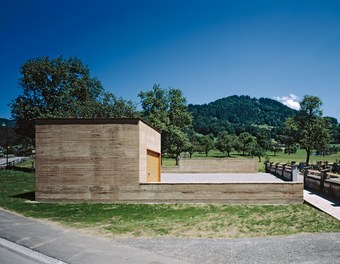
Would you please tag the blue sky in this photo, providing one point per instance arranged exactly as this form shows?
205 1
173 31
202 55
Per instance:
208 49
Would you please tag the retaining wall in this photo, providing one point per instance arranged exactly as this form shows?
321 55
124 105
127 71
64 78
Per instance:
222 165
222 193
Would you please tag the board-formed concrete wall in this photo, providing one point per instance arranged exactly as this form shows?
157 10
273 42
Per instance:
222 165
80 159
224 193
149 139
106 161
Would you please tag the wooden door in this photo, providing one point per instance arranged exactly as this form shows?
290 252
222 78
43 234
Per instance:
153 166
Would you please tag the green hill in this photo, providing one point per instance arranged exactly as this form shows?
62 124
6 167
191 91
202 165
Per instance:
237 114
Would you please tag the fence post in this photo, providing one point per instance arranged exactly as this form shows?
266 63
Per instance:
294 172
323 178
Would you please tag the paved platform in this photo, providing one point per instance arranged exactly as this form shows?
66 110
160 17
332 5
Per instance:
219 178
324 204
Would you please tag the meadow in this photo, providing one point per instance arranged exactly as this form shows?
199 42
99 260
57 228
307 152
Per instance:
280 157
173 220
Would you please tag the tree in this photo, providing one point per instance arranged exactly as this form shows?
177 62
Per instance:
263 140
307 127
336 134
261 144
225 142
256 150
60 88
275 147
194 139
207 143
335 129
166 109
177 141
245 140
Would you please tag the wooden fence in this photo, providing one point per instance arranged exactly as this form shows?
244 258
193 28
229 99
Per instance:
323 181
287 172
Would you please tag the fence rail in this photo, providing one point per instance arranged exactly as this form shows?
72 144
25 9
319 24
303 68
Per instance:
323 181
287 172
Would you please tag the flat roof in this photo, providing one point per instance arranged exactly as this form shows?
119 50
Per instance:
260 177
94 121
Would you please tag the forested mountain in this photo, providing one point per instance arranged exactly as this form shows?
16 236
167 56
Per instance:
237 114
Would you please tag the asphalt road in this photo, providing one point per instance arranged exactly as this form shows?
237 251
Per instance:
13 253
10 257
306 248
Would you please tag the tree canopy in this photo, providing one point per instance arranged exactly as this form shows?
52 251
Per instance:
307 127
62 88
237 114
166 109
225 142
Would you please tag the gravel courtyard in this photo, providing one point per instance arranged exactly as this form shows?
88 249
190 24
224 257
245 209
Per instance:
219 178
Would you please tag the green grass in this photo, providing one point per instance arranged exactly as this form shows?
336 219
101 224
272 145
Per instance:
176 220
26 163
299 156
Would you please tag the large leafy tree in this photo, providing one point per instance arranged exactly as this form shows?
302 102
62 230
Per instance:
246 140
207 143
62 88
194 142
166 109
307 127
225 142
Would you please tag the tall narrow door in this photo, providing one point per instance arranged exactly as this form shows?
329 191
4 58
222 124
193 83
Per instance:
153 166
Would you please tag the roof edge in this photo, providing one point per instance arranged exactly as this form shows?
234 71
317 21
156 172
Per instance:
93 121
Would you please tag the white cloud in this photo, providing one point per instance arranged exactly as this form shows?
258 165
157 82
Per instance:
291 101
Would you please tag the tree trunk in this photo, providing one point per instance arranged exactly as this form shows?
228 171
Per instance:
228 154
308 150
177 159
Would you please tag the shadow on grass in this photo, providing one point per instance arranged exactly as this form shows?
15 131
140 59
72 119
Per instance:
26 196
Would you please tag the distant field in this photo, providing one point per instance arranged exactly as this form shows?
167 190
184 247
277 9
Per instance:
299 156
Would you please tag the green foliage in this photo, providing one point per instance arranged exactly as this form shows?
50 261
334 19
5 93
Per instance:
336 134
225 142
60 88
335 130
275 147
194 142
307 127
246 140
207 143
166 109
255 150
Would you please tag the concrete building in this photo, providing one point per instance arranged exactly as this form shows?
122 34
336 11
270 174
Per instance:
118 160
90 159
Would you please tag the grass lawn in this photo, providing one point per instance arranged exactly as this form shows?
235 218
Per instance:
177 220
26 163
